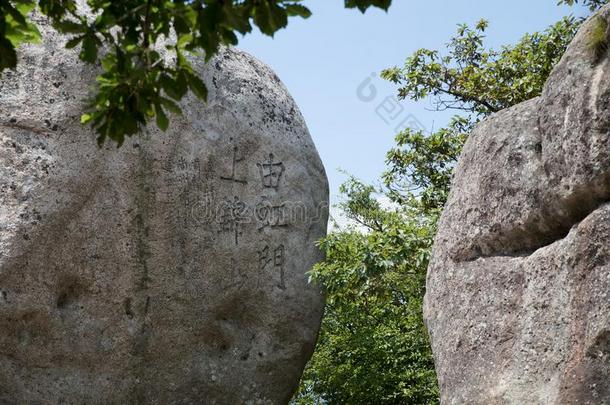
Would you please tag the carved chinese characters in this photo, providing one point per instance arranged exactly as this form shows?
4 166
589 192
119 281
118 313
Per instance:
273 258
271 172
269 215
232 215
234 163
235 214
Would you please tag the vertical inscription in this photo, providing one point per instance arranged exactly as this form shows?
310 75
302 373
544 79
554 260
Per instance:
275 259
235 214
269 215
271 172
183 169
232 216
236 160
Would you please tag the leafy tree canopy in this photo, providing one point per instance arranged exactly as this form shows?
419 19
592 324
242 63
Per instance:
474 79
137 83
593 5
373 348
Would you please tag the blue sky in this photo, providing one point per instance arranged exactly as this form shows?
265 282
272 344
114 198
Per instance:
324 60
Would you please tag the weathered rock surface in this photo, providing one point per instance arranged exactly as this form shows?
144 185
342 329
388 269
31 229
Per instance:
171 270
518 294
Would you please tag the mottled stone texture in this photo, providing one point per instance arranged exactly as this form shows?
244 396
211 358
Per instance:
518 304
169 271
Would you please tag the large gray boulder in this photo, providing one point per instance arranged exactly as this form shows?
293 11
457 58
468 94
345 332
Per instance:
518 292
171 270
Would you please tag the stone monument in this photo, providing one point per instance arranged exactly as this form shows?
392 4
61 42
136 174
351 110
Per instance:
170 270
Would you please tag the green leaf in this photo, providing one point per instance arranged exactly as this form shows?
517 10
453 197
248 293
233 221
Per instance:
170 105
229 37
197 86
25 8
182 27
363 5
15 35
181 82
17 27
109 62
86 118
8 56
70 27
170 86
12 14
269 17
74 42
184 40
162 121
298 10
89 49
